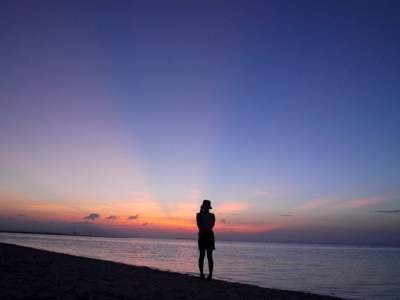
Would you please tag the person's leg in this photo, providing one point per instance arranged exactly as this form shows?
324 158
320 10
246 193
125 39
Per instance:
210 264
201 262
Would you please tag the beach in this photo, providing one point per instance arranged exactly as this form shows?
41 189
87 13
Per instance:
27 273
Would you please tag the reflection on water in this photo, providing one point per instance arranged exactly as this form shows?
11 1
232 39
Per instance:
346 271
357 272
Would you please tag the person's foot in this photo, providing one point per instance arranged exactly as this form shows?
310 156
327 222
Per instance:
209 277
202 277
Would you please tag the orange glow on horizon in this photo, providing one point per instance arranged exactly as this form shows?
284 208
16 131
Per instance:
144 215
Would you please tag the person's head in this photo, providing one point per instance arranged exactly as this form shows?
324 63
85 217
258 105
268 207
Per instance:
206 205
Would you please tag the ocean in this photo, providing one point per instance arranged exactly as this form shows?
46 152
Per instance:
351 272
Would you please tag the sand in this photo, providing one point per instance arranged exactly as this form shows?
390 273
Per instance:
27 273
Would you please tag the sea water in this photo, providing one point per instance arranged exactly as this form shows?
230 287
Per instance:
352 272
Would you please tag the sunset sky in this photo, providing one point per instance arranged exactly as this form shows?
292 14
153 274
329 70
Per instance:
120 117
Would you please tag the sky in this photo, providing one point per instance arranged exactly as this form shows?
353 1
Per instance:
120 117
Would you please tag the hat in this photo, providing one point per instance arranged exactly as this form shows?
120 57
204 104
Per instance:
206 204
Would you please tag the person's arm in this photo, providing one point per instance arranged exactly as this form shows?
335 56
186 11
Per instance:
213 219
198 220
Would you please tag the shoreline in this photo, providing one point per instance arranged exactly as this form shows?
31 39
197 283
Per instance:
39 274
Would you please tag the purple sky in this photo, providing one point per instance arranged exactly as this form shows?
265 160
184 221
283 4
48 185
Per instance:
285 114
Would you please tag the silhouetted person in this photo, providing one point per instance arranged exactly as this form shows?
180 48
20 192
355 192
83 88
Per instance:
205 223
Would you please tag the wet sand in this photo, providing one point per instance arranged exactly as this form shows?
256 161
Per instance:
27 273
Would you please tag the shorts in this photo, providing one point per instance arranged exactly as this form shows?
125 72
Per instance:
206 241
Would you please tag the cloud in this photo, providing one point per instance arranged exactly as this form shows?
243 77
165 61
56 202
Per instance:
133 217
234 207
362 202
139 194
395 211
286 215
144 224
92 217
314 204
195 195
179 228
111 218
223 221
21 215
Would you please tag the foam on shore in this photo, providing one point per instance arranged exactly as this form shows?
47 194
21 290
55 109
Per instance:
32 273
